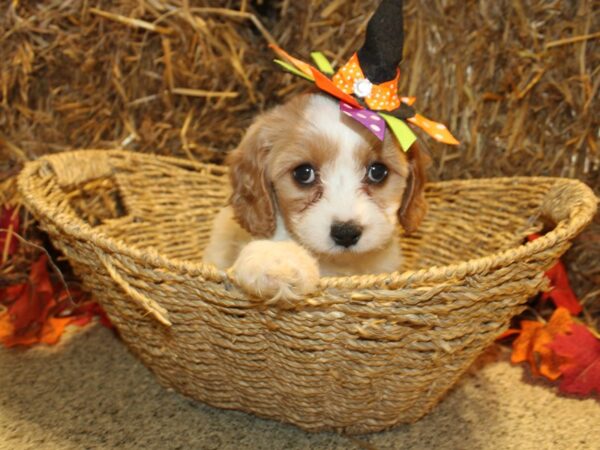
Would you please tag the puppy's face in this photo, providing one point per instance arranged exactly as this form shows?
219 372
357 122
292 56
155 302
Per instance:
336 187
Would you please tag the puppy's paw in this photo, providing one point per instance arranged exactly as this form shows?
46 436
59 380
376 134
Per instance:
276 271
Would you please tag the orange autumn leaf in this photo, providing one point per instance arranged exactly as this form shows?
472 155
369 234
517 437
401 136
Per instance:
30 303
6 326
53 329
534 338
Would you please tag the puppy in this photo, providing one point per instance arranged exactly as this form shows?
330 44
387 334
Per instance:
314 193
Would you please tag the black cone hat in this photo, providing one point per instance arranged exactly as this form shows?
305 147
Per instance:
382 50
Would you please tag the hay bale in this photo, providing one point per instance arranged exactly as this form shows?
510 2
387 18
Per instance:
515 80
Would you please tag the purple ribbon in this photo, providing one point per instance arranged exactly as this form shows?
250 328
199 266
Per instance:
370 119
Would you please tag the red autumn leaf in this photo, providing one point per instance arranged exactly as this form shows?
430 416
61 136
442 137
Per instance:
38 312
561 293
104 319
580 351
35 299
87 311
7 333
29 306
9 220
80 308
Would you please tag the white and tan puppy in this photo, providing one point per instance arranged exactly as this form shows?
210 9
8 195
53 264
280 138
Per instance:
314 193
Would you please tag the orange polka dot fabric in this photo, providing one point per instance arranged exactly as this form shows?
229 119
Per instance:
383 96
345 77
436 130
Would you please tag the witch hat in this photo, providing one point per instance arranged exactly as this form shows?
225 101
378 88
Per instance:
381 53
367 85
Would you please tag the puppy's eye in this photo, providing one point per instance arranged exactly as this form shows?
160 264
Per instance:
377 172
304 174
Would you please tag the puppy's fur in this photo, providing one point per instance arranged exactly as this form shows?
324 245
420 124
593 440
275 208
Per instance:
276 233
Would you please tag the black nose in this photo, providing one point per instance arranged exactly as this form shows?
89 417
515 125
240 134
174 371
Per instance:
345 233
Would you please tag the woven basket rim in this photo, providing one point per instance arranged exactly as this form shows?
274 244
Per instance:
580 215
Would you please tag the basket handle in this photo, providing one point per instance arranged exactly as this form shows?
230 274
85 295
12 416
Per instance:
570 200
74 168
157 311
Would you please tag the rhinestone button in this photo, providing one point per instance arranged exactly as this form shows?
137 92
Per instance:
362 88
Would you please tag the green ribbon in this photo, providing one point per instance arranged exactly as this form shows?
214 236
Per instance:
403 133
322 63
292 69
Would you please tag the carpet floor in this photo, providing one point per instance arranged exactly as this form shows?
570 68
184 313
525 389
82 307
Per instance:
89 392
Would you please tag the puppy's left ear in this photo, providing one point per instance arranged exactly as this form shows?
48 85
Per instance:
414 205
251 199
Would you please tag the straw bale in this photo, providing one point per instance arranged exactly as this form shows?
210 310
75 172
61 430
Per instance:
516 80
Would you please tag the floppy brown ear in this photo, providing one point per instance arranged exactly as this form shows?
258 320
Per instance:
414 205
251 199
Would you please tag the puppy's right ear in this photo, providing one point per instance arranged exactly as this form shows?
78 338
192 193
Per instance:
414 205
251 199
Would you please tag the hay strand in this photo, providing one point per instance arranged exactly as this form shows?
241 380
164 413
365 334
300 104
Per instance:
134 23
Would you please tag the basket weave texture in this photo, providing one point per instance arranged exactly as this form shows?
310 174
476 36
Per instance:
363 354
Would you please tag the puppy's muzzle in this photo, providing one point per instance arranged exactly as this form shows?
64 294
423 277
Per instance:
345 234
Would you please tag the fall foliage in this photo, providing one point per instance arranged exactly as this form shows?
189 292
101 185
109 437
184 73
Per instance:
37 310
580 367
533 340
560 348
561 293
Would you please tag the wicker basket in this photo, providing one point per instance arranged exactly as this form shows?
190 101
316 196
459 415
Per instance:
366 353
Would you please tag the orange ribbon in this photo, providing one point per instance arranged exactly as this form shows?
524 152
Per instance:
436 130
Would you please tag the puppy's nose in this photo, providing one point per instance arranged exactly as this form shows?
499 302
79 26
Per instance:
345 234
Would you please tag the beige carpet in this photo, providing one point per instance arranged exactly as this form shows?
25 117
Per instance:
90 392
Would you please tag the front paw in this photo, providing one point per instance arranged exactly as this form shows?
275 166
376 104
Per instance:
276 271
